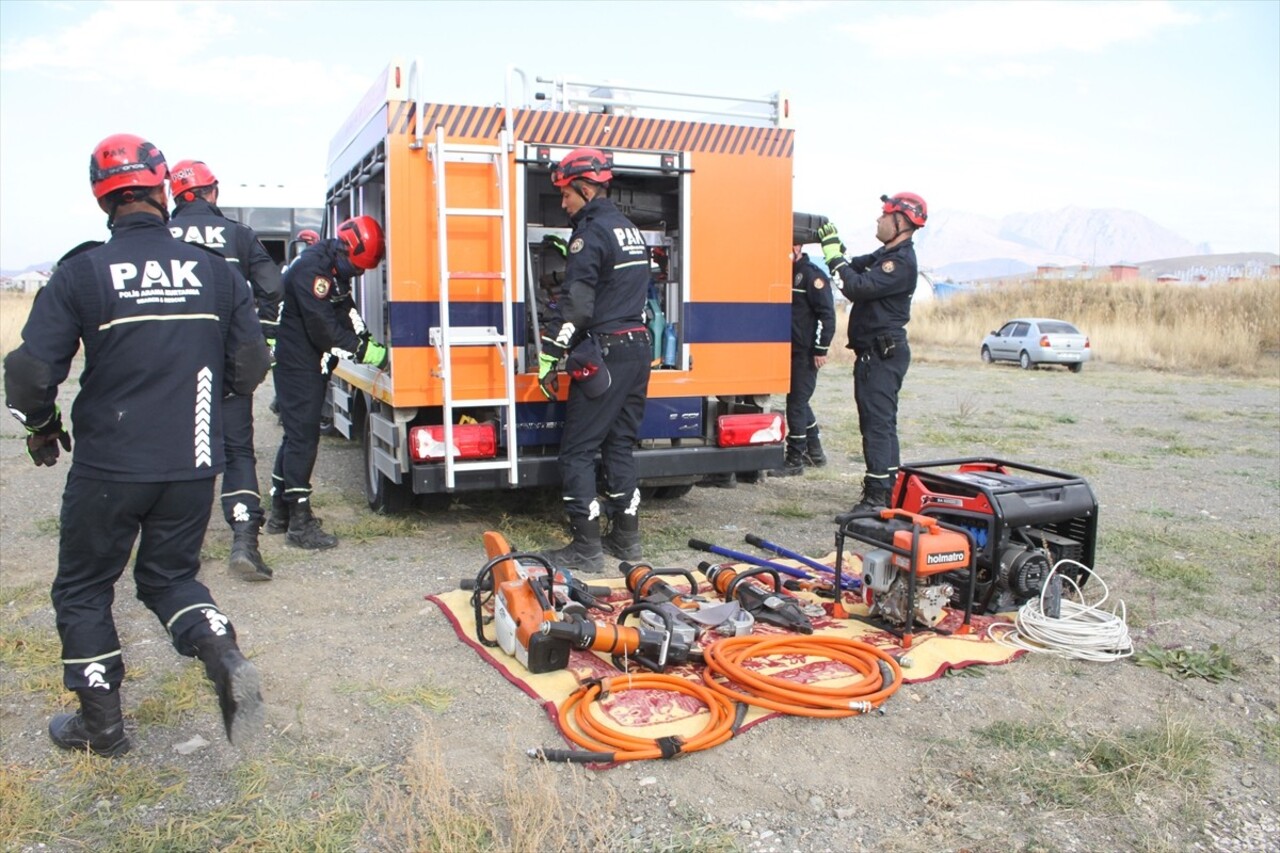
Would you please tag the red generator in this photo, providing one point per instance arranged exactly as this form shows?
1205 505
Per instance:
1023 520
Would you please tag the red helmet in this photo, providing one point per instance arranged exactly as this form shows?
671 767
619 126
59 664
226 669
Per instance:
587 164
363 236
124 160
308 236
188 175
909 205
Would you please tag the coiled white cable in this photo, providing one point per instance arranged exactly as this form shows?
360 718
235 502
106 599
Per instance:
1083 631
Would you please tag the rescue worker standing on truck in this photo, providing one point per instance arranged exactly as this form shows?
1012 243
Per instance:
166 327
880 286
319 324
197 219
601 328
813 323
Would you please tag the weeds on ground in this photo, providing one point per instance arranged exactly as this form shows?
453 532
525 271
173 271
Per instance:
541 808
790 510
368 526
425 696
34 657
1106 773
174 695
1214 664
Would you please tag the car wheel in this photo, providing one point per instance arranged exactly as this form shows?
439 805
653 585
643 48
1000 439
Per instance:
986 355
1025 362
1075 368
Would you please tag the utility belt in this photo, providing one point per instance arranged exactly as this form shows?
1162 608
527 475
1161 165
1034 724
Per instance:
883 347
638 334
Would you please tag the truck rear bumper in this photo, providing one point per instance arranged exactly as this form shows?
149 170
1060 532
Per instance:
669 465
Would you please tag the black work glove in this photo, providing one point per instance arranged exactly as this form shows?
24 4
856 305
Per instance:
43 441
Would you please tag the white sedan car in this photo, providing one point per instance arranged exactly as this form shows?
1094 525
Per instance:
1032 341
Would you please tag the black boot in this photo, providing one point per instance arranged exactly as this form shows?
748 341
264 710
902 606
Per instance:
305 530
875 497
98 726
246 560
793 463
238 686
623 539
813 454
585 552
278 521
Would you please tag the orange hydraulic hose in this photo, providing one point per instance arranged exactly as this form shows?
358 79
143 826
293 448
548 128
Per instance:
726 659
578 724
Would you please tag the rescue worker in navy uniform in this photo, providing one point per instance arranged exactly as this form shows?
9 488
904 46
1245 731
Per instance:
197 219
166 328
606 283
880 286
318 325
813 323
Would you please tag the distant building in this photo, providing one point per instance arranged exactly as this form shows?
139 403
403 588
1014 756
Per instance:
28 282
1124 272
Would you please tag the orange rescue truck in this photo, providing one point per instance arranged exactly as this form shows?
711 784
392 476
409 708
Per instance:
465 198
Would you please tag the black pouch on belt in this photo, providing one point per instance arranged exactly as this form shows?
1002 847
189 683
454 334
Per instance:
885 346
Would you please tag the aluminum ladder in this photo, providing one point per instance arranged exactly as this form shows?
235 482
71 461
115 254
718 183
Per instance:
447 337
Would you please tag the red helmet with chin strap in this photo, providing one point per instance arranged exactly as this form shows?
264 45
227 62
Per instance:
123 160
308 236
586 164
363 236
909 205
188 175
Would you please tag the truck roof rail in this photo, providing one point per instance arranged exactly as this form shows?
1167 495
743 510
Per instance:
583 96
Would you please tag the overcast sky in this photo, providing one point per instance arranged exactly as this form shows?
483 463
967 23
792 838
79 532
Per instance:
1171 109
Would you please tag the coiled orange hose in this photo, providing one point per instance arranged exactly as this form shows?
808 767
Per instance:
578 724
726 659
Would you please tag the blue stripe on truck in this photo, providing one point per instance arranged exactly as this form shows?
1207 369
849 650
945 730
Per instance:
703 322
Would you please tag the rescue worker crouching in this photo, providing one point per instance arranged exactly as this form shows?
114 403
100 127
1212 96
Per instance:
880 286
319 324
601 329
165 328
197 219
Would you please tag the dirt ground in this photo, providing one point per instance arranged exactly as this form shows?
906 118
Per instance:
1187 473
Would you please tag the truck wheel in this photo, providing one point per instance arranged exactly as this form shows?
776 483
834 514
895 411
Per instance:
383 496
670 493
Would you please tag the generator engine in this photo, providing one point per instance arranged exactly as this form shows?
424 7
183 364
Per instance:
1023 521
908 579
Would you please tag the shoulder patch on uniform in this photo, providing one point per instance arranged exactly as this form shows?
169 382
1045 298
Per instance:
576 246
320 287
887 266
819 283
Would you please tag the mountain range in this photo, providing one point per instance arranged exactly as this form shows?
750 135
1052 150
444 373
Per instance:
967 247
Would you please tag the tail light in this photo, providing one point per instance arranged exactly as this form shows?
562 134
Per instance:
744 430
1044 341
470 441
1086 343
